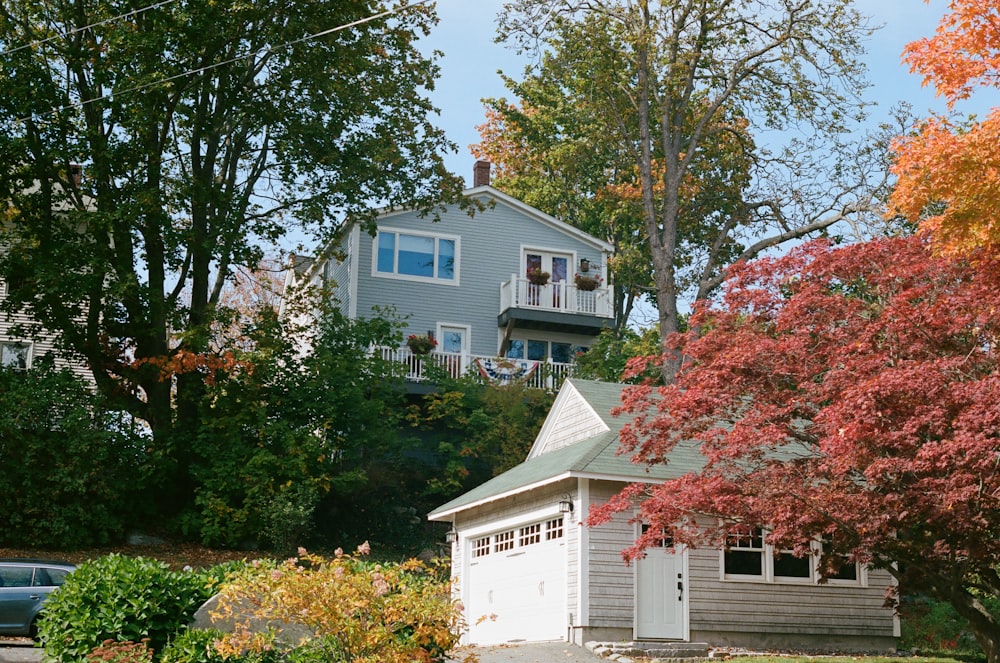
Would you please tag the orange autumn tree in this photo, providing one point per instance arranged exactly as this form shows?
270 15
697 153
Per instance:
949 173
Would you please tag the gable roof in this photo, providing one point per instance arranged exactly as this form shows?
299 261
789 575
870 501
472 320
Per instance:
595 456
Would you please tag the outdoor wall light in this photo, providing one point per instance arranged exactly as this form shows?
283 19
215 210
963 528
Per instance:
451 536
566 506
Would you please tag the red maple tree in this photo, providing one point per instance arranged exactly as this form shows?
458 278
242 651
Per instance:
849 395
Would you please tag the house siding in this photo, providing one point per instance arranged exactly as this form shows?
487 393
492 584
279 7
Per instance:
611 582
41 346
718 605
575 421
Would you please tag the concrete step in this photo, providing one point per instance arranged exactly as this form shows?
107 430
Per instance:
652 649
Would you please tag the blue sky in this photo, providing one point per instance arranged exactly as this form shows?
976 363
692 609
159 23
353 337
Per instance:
471 59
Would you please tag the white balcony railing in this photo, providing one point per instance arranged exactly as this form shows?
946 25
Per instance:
562 296
495 370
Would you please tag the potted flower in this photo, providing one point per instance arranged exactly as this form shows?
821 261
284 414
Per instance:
420 345
587 282
537 276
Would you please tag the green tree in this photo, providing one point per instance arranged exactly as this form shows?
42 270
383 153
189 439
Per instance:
206 130
294 436
71 467
609 355
665 81
475 431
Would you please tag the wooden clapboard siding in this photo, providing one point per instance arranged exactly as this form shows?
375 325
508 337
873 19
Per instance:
611 582
41 345
572 419
834 609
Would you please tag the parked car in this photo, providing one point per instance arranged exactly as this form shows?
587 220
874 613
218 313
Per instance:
24 586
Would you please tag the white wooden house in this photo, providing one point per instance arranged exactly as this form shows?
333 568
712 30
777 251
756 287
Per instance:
527 569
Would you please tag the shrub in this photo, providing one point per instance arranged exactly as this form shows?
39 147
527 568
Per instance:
115 651
193 646
80 496
119 598
359 610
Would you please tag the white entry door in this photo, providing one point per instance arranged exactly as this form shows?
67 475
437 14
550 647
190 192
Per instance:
661 594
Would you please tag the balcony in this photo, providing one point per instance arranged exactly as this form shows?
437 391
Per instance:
559 305
547 374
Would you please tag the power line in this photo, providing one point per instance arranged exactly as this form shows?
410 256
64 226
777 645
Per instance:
74 31
260 51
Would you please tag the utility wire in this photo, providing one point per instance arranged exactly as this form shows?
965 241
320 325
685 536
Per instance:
74 31
260 51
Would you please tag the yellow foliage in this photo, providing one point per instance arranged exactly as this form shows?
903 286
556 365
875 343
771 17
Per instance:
359 610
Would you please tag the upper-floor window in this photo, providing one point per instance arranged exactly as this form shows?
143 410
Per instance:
15 355
417 256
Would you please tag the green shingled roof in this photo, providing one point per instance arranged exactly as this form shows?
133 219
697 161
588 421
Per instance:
595 456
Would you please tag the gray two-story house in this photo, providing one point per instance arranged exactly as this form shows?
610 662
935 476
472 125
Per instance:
509 292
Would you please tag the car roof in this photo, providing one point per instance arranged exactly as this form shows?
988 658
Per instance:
36 562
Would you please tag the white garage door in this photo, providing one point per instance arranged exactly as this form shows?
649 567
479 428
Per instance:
516 584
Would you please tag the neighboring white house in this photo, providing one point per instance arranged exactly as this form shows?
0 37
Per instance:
465 281
528 569
20 351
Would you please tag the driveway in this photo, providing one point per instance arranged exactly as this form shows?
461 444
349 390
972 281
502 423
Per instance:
532 652
19 652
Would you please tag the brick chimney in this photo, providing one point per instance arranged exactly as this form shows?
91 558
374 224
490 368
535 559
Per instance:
481 174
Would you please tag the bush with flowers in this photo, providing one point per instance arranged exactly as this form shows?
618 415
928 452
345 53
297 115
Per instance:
358 610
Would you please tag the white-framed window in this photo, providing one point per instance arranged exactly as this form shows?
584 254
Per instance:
743 556
553 529
747 557
416 256
453 339
15 354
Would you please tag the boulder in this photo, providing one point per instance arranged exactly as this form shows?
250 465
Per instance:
287 634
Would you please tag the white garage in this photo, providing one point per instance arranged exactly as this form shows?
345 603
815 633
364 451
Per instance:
514 585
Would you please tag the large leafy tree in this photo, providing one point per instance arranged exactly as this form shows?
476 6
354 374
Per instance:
847 395
205 130
948 171
290 438
690 92
567 147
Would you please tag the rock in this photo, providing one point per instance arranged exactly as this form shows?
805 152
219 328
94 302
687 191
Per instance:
140 539
286 634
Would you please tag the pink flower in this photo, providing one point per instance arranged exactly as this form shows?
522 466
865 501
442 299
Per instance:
338 553
380 584
364 548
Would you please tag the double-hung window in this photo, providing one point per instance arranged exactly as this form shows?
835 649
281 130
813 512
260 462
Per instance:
747 556
416 256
